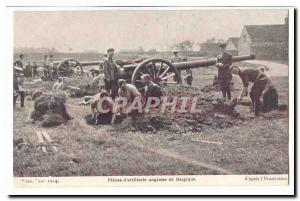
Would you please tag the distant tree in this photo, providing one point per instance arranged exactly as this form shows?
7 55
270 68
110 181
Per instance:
53 50
152 51
221 41
185 45
211 40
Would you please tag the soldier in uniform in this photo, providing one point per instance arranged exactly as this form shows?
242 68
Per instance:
51 70
45 66
110 71
176 59
224 61
151 89
18 91
28 70
262 87
19 62
34 69
188 76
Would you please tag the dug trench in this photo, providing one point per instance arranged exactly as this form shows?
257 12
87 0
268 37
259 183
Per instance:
210 143
212 113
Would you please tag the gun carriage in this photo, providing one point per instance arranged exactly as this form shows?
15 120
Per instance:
161 71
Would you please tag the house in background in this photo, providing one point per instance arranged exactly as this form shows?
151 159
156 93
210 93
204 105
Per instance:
232 45
268 42
210 49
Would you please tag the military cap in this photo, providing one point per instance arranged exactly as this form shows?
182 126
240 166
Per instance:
110 50
121 81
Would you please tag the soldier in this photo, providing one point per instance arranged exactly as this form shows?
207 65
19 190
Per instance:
19 62
51 70
128 91
34 69
28 70
151 88
99 80
46 67
105 104
18 91
224 61
188 77
110 70
262 86
176 59
58 85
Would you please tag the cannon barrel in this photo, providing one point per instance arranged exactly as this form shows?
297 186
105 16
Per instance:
91 63
179 66
196 64
210 62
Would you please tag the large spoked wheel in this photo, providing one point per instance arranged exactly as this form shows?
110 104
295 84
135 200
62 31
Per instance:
69 68
162 72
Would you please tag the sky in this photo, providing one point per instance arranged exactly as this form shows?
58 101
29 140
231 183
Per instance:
130 29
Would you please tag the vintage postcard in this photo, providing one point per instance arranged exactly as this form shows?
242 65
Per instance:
152 97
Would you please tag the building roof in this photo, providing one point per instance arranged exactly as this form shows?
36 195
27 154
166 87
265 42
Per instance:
268 33
234 40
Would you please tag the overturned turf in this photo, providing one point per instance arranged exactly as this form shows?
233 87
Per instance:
212 112
49 110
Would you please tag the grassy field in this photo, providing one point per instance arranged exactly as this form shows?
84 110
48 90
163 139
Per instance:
256 146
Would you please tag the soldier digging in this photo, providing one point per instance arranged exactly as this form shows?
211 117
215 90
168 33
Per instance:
262 86
224 61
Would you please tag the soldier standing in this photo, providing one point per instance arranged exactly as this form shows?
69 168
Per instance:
110 70
34 69
188 77
51 70
224 61
28 70
46 67
176 59
18 90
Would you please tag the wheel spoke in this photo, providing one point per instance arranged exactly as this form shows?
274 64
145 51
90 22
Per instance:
150 73
164 72
154 68
160 67
169 82
66 66
141 73
171 75
63 68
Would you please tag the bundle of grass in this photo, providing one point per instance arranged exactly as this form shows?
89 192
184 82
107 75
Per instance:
50 110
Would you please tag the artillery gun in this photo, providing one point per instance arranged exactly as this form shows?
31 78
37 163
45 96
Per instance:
161 71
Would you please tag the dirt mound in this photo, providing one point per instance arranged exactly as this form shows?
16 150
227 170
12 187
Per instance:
212 113
50 110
